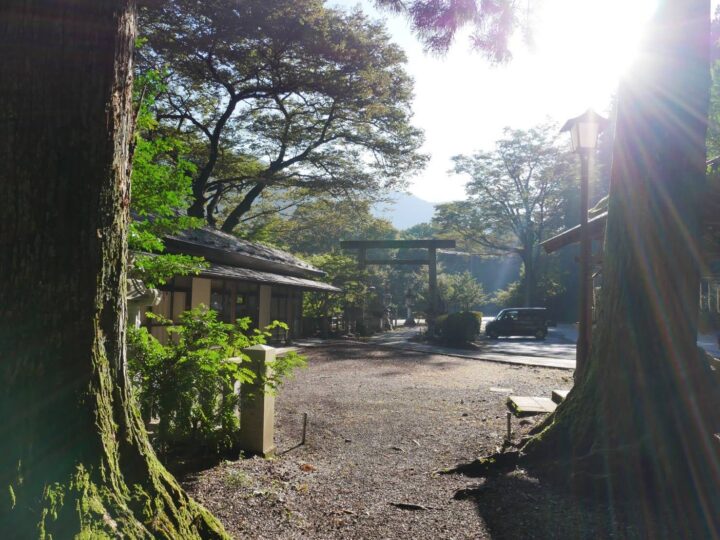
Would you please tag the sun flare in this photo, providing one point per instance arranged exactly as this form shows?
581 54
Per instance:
593 43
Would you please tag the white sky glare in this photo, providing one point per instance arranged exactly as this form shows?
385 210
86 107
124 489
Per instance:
580 49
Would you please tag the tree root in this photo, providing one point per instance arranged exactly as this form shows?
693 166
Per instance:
493 465
85 506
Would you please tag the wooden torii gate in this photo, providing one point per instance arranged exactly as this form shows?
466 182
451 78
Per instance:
431 245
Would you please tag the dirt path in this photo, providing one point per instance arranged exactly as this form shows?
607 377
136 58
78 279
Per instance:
381 423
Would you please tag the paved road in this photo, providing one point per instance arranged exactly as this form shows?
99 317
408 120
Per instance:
710 344
556 351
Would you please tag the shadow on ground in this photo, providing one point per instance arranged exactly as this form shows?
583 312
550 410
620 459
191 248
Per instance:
359 352
517 505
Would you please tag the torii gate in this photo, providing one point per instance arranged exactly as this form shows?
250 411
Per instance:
432 245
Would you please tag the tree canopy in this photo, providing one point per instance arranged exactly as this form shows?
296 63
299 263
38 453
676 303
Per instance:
461 292
515 197
282 95
161 188
320 225
436 22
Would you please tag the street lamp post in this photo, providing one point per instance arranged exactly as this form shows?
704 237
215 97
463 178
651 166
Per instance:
584 131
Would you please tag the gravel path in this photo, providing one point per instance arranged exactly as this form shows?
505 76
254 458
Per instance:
381 424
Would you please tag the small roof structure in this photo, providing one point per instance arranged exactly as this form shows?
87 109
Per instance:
572 235
221 271
219 247
709 215
234 258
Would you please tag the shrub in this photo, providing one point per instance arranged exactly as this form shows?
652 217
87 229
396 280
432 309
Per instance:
478 316
189 384
440 320
459 328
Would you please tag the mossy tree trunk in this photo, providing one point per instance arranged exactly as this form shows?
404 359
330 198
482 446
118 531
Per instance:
74 456
641 423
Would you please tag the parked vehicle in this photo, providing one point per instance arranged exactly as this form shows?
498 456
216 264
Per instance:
519 322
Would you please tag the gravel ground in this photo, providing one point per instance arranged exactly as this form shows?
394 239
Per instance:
382 423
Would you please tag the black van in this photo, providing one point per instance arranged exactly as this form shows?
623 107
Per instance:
518 322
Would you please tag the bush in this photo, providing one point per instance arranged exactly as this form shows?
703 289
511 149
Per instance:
478 316
440 322
189 384
459 328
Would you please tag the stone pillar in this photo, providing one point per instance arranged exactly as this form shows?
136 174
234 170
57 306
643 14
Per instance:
200 292
264 298
257 405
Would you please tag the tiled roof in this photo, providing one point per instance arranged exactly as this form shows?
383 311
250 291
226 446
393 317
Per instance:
255 276
223 248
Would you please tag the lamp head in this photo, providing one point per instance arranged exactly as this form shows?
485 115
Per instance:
584 130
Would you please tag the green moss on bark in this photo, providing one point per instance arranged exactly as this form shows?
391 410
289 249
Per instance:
75 461
638 428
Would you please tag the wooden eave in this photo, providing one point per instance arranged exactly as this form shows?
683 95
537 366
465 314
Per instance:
572 235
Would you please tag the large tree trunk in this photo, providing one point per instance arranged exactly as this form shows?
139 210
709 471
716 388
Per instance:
529 276
74 456
640 425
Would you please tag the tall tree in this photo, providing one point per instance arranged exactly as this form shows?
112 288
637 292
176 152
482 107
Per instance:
641 425
74 456
514 198
663 451
319 97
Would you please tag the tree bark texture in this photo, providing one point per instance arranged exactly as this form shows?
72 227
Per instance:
640 423
74 456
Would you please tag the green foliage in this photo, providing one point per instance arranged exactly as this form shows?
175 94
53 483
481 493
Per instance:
461 292
517 197
515 192
421 231
316 97
319 225
547 290
460 327
161 187
188 385
492 23
343 272
157 269
291 220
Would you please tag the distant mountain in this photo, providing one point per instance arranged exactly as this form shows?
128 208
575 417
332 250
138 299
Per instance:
405 211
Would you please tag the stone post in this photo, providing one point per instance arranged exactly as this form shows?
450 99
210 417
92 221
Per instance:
257 405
